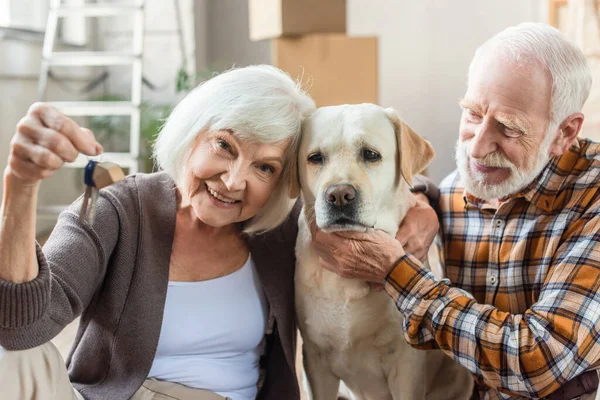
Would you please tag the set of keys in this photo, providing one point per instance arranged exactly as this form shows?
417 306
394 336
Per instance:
97 175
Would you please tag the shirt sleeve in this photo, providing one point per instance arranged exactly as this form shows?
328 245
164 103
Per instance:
530 354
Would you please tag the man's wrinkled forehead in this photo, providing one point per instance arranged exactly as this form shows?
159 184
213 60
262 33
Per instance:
519 87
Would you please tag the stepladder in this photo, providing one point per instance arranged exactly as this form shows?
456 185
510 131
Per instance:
50 58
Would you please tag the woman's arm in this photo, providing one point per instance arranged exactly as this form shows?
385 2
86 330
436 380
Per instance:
72 266
424 185
44 140
18 262
42 291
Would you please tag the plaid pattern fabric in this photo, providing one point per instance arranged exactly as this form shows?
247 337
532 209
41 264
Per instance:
521 305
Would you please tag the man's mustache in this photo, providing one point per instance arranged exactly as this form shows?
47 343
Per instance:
492 160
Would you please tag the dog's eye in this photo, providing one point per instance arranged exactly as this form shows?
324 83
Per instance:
370 155
316 158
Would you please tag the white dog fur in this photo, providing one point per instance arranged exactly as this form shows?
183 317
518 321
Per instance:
352 332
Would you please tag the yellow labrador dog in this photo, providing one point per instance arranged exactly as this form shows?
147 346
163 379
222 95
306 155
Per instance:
353 164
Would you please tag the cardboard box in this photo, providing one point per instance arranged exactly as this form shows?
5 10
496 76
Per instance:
271 19
336 69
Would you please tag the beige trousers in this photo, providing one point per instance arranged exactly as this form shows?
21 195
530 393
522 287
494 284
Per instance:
590 396
40 374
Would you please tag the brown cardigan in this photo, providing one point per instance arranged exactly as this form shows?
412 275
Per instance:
115 276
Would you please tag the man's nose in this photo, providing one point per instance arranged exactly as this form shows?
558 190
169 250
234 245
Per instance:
484 142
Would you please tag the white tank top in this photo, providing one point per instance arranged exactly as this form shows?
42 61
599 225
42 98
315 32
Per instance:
211 333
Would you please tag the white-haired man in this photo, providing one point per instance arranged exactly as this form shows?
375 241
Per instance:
521 226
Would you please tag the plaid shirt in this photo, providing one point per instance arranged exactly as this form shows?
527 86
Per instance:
523 310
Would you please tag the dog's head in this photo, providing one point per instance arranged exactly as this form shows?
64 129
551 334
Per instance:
352 162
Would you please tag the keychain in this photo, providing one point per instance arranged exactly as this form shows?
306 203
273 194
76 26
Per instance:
97 175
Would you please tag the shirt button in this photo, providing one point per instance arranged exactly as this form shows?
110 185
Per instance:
499 223
493 280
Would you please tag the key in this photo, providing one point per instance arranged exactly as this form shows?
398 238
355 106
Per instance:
97 175
86 198
93 200
89 188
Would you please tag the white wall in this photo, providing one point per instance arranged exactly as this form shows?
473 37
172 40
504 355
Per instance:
29 14
425 48
227 36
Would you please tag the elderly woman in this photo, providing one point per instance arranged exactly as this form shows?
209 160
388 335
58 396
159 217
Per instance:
178 295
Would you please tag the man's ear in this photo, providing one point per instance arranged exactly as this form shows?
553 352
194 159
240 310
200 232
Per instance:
414 152
294 179
567 134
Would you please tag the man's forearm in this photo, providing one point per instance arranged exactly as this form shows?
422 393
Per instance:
516 353
18 261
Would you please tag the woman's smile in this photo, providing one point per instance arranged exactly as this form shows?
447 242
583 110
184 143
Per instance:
220 199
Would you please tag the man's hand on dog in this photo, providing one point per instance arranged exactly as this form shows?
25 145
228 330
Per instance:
367 256
419 228
371 256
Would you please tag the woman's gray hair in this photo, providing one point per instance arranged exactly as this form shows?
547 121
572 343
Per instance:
571 75
259 103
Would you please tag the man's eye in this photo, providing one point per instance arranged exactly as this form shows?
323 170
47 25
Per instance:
472 117
316 158
370 156
513 133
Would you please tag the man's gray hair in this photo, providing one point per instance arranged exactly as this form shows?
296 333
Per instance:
571 75
259 103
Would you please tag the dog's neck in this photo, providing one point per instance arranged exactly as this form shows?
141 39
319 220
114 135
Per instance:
394 208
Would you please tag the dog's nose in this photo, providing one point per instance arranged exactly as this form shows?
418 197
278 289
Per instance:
340 195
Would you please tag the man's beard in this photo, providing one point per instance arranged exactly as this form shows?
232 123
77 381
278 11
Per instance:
517 180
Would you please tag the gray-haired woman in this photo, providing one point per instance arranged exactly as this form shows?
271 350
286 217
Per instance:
178 296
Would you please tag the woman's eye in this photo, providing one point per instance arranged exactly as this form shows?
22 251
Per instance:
267 169
223 144
370 155
316 158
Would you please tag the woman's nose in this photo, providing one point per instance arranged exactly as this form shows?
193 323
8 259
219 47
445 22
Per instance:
235 178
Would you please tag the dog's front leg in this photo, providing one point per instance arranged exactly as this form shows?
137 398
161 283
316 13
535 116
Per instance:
323 384
406 378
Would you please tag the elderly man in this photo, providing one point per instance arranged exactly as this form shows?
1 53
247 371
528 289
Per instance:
521 229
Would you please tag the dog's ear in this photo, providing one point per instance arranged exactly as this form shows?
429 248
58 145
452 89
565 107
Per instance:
415 153
294 179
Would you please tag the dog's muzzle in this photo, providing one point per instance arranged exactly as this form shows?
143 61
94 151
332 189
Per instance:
341 201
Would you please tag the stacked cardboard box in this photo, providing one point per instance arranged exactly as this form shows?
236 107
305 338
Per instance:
308 40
